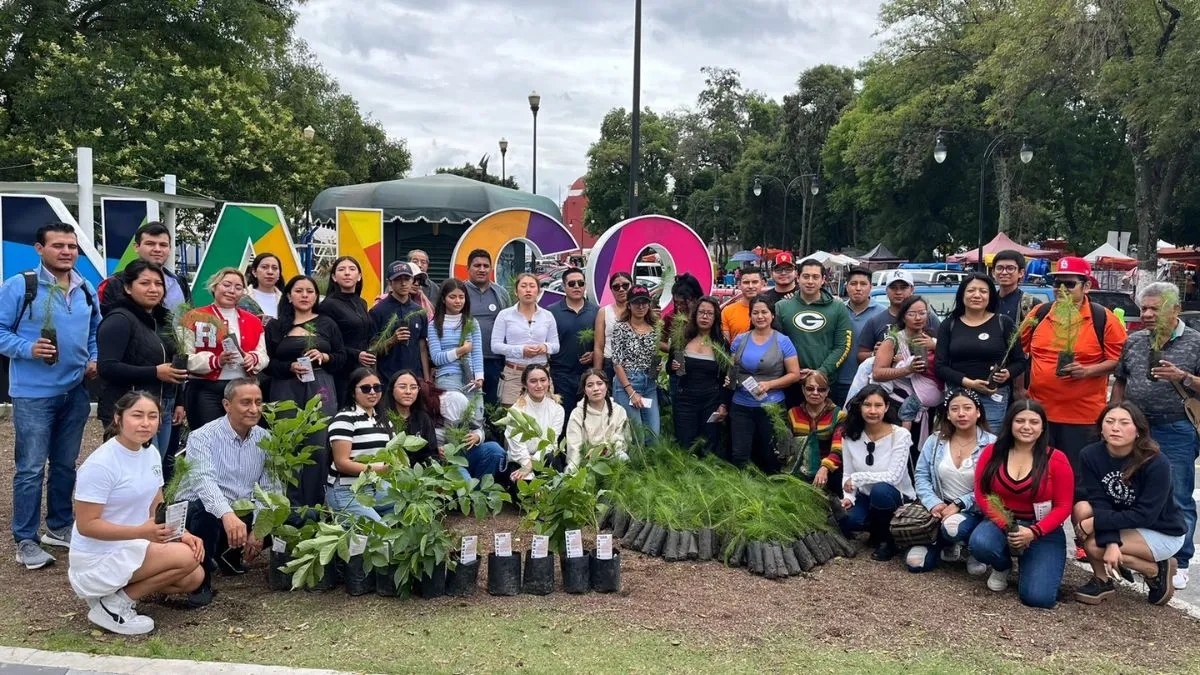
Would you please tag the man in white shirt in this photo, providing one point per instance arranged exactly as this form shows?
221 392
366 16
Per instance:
227 463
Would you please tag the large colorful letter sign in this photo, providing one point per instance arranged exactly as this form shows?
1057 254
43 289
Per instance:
20 218
500 228
360 235
243 230
120 219
617 250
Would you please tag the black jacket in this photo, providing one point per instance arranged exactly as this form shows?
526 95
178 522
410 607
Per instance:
112 291
349 312
132 343
284 350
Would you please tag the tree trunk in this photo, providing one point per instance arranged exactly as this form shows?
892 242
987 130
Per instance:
1154 184
1003 192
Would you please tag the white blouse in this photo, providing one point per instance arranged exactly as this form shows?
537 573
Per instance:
889 462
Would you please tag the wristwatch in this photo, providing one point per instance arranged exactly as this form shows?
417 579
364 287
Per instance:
960 504
1187 381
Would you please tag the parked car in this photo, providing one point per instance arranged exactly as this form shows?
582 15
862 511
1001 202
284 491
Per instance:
1115 299
941 296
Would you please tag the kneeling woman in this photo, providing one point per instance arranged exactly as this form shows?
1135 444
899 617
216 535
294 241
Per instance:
598 426
535 400
359 429
875 452
1127 514
946 481
118 554
1036 487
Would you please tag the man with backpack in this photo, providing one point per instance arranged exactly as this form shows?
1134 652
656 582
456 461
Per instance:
1075 393
48 322
152 243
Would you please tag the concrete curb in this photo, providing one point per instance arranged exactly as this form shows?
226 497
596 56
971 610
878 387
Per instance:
76 661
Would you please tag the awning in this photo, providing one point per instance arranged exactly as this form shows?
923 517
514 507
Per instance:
444 198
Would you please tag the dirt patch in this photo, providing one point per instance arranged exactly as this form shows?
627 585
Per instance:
852 604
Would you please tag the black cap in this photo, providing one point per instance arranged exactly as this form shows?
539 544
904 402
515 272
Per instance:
639 293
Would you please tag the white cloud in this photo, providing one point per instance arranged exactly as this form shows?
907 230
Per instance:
452 76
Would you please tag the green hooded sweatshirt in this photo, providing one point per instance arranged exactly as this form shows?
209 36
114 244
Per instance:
820 331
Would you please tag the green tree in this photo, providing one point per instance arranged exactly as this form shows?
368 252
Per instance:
607 177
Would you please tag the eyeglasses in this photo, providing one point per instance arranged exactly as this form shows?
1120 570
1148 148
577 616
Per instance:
817 390
916 315
708 313
620 287
371 388
870 453
230 286
1006 269
576 284
1068 284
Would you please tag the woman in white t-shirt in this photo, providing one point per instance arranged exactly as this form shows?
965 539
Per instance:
264 286
119 555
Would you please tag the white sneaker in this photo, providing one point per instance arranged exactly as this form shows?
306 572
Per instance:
1179 581
115 614
952 554
976 568
998 581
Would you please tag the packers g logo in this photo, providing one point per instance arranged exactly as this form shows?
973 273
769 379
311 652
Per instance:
809 322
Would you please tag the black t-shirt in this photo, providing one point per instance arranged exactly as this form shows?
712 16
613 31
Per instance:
773 296
971 351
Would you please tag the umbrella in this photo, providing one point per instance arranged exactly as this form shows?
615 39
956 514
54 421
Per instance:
744 256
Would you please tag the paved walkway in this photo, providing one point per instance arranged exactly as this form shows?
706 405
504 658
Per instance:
20 661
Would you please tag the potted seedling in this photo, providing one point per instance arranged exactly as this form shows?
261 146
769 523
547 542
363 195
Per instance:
1067 321
49 332
310 343
677 342
406 321
464 362
272 521
385 338
286 449
169 510
1029 323
1161 332
187 324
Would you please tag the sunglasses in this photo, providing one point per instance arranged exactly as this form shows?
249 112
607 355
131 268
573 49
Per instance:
576 284
371 388
817 390
870 453
1068 284
620 287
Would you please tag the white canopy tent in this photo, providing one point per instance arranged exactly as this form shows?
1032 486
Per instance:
831 259
1105 251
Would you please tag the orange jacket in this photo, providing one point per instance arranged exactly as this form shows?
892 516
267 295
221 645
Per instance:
1067 400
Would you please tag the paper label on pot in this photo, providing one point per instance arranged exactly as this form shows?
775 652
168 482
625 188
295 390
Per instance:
278 545
503 544
307 375
574 543
540 547
467 553
604 546
358 545
714 418
176 517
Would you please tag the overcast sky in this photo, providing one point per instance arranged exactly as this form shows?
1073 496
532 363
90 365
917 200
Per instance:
452 76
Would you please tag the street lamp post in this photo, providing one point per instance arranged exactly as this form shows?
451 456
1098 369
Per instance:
503 152
814 186
535 102
1025 153
635 149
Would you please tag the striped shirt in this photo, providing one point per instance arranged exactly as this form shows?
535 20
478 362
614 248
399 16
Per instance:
226 467
366 433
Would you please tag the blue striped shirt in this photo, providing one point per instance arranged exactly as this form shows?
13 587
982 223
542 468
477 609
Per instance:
225 466
442 345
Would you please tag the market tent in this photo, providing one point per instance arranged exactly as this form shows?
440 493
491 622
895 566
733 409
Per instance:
1000 243
831 259
1106 250
440 198
880 253
744 256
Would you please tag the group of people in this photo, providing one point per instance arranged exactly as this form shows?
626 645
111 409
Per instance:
886 406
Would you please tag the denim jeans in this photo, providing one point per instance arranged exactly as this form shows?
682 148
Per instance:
162 439
1042 564
646 418
47 430
492 367
485 459
994 410
883 500
962 535
341 499
1180 446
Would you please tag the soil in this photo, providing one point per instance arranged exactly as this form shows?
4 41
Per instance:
847 603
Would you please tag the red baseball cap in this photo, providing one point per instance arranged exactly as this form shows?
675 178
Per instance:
1071 266
784 258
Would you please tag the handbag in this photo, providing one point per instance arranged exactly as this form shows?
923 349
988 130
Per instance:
1191 406
914 525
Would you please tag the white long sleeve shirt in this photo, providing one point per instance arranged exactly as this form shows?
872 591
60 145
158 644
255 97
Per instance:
549 415
598 428
889 465
512 332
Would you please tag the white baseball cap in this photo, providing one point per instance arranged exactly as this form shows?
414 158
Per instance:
892 276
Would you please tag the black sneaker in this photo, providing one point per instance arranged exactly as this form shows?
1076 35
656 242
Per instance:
1161 588
884 552
201 597
1095 591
